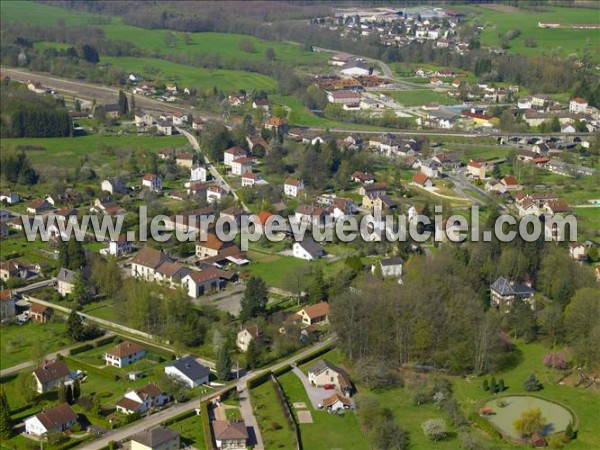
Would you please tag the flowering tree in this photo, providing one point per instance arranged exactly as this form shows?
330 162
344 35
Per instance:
555 361
435 429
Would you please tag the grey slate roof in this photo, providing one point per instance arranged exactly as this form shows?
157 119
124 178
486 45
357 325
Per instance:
155 437
503 288
391 261
190 368
312 247
66 275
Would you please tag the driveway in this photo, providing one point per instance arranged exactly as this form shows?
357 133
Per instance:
315 394
255 438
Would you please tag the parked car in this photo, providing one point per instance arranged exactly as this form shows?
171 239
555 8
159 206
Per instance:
329 386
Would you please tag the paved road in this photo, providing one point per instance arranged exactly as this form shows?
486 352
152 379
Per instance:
315 394
65 351
36 285
248 416
158 418
211 167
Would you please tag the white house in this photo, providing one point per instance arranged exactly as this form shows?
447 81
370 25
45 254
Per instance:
142 399
390 267
242 165
124 354
152 182
180 118
188 371
307 250
146 263
119 247
53 420
578 105
336 402
250 179
165 127
198 173
10 197
577 251
198 283
114 186
292 187
232 154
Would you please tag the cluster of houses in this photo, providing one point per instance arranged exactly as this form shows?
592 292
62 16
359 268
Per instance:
398 28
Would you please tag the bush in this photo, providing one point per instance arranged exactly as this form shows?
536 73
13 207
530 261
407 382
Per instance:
80 349
486 385
555 361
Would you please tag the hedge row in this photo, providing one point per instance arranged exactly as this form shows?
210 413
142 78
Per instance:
179 417
315 354
104 340
208 440
80 349
282 370
90 368
258 380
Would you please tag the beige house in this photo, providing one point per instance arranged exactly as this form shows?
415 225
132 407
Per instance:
230 435
159 438
246 336
324 373
317 313
51 375
65 280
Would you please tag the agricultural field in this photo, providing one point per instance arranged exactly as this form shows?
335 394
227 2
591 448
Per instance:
499 19
188 76
65 153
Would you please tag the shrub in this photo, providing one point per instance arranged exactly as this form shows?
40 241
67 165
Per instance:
276 425
532 384
486 385
501 386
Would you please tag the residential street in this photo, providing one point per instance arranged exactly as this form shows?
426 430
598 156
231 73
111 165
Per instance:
156 419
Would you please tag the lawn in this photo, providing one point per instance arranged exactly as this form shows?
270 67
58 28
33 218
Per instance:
31 341
273 268
271 419
329 431
17 246
188 76
562 41
418 97
192 432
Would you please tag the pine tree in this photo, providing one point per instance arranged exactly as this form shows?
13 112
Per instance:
501 387
123 104
223 363
69 394
75 327
486 385
493 385
252 355
76 390
5 420
80 290
254 302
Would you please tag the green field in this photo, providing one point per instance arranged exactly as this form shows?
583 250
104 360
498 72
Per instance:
188 76
560 41
31 342
273 268
191 430
153 41
66 152
418 97
276 432
329 431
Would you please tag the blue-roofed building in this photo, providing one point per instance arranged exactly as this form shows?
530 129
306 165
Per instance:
503 292
188 371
